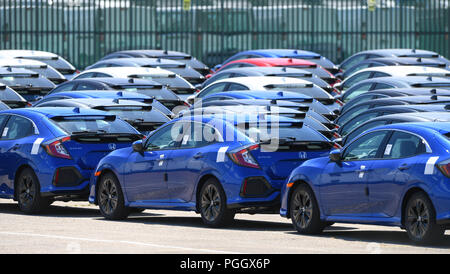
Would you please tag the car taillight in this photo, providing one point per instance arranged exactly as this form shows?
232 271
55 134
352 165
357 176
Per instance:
57 149
339 102
243 157
337 91
444 167
186 104
336 146
336 135
77 72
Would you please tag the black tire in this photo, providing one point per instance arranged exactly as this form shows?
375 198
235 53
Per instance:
137 210
304 211
110 198
28 193
420 220
213 205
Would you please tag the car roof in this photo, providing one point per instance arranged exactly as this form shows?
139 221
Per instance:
255 71
116 81
261 94
93 102
100 94
408 60
399 52
405 70
434 116
441 127
275 61
57 111
5 62
258 82
11 53
125 71
418 107
281 52
407 80
13 70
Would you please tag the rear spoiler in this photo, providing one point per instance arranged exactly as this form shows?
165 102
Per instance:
145 108
84 117
248 125
272 86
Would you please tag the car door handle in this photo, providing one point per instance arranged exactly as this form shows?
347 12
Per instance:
403 167
198 155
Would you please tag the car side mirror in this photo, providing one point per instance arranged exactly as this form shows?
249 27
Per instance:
335 155
138 146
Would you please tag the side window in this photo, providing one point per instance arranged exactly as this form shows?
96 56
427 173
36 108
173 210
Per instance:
16 128
86 75
382 86
52 98
353 61
356 78
363 128
221 76
402 145
351 113
366 147
64 87
99 74
167 137
215 88
355 122
356 91
3 119
85 87
234 86
379 74
199 135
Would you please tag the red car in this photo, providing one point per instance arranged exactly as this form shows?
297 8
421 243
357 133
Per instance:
282 62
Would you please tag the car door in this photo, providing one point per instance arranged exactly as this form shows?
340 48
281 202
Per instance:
144 176
186 163
343 185
391 173
15 140
4 187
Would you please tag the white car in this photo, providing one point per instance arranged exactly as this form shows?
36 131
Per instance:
37 66
270 83
390 71
175 82
51 59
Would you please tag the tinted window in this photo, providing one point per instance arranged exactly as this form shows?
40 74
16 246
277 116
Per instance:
356 78
16 128
355 122
366 147
353 61
167 137
86 75
402 145
379 74
215 88
382 86
237 87
85 87
64 87
357 91
199 135
3 119
363 128
93 124
350 114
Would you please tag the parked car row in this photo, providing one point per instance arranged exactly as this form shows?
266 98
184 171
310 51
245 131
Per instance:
360 142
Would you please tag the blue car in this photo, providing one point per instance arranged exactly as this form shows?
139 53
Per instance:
203 164
394 175
49 154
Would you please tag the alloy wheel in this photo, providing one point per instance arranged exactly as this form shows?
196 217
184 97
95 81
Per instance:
108 198
211 203
302 209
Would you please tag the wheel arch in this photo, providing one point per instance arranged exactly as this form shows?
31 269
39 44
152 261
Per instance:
296 184
405 199
16 175
200 184
103 172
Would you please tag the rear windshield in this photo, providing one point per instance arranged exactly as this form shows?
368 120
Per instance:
159 94
170 81
73 125
136 114
287 132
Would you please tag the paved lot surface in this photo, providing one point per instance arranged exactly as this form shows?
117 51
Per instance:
79 228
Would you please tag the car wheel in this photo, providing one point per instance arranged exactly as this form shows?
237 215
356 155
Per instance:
29 193
110 198
420 220
305 214
213 205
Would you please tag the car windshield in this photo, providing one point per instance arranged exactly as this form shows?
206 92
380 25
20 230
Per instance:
95 124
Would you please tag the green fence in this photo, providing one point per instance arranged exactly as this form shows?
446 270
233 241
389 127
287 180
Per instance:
85 30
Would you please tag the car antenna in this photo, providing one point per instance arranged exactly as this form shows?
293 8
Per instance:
131 80
433 91
413 50
419 59
434 97
120 93
76 110
9 68
429 78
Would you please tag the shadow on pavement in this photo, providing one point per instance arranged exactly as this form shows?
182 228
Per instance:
374 236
